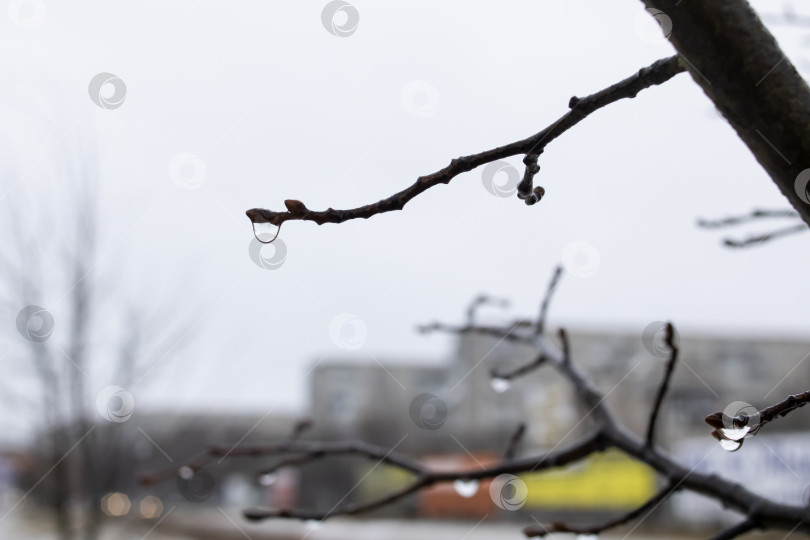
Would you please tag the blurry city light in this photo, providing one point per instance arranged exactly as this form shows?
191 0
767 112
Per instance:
151 507
115 504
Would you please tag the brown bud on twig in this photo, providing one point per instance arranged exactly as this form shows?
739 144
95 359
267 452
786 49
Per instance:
295 207
715 420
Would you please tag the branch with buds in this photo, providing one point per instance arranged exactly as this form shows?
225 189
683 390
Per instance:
657 73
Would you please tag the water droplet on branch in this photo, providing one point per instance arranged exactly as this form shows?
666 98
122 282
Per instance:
499 384
735 434
268 479
729 445
265 232
466 488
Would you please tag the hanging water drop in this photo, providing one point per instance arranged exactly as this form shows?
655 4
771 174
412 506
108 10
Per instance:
729 445
313 524
499 384
735 434
268 479
185 472
466 488
265 232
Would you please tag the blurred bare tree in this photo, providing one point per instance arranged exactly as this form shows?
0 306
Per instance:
71 328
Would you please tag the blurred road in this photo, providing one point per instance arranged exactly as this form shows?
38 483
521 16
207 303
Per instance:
220 524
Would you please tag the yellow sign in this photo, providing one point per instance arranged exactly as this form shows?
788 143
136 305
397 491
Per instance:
610 480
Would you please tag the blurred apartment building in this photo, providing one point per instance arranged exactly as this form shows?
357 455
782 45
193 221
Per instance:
452 415
374 401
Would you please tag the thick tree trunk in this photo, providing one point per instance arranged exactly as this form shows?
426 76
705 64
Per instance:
737 62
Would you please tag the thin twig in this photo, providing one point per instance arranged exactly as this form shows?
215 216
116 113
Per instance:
480 300
768 414
552 286
736 530
514 442
649 506
519 371
669 339
754 215
425 477
657 73
762 238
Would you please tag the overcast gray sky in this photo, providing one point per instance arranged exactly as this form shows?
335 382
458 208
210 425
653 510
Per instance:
267 104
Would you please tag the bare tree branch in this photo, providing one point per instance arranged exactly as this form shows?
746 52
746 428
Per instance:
762 238
537 363
657 73
425 477
646 508
608 433
739 65
552 286
735 531
754 215
481 300
669 339
514 442
718 420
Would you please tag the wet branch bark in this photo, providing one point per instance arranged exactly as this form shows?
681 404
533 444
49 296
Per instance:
737 62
